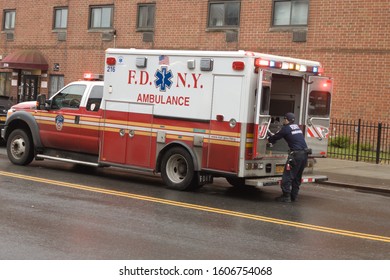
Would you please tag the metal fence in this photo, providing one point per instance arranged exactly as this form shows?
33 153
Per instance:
360 141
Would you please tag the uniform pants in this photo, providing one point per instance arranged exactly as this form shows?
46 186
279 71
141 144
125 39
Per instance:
292 174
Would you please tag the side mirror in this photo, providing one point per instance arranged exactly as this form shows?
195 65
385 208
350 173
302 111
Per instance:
41 102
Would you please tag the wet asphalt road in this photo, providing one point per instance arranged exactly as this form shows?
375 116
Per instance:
88 213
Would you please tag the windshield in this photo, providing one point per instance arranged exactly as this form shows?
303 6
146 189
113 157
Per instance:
69 97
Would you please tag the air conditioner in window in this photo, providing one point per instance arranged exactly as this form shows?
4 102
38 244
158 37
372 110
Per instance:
231 36
147 37
61 36
107 36
299 36
10 36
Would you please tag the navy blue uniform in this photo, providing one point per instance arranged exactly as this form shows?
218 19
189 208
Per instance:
296 161
293 136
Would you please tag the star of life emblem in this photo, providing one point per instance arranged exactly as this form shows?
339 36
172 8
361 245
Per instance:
163 78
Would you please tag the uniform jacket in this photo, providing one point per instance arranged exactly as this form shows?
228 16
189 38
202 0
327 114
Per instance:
293 136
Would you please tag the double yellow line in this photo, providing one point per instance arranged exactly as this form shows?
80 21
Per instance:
201 208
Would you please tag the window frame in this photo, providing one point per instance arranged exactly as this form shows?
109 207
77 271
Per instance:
55 17
224 26
148 5
91 18
290 25
13 22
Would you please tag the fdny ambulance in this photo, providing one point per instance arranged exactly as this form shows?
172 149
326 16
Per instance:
189 115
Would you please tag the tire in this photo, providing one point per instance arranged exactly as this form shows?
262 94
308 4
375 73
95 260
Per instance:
177 170
20 149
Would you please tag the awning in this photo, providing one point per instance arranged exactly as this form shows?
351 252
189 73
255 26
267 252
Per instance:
25 59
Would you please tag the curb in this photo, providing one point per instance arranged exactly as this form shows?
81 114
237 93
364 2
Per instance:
377 189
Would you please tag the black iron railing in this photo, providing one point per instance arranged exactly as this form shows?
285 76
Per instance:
359 140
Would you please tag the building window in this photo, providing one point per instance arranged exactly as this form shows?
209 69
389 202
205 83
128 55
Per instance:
290 13
5 84
101 17
146 16
56 83
60 18
224 14
9 20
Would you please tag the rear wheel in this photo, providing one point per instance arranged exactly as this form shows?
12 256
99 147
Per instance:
177 170
20 149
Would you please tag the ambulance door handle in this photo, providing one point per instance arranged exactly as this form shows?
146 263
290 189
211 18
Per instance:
122 132
310 123
131 133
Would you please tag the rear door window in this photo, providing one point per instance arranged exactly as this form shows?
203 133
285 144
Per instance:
319 104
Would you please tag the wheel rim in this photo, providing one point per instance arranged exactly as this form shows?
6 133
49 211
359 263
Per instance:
177 168
18 148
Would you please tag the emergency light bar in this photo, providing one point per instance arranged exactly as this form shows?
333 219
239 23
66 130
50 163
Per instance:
260 62
92 77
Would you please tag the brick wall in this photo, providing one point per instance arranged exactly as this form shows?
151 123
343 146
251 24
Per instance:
350 38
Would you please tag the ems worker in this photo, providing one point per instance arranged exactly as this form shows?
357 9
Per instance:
297 157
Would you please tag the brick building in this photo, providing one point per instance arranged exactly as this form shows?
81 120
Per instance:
46 44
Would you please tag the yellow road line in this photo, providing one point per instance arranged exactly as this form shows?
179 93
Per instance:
201 208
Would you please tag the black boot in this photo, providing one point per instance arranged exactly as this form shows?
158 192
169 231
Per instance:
285 197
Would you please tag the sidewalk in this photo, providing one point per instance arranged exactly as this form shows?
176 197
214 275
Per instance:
354 174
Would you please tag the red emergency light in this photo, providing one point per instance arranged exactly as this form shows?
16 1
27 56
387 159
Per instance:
238 65
88 76
261 62
327 83
111 61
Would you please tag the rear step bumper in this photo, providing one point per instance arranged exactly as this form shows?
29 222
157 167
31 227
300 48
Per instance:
272 181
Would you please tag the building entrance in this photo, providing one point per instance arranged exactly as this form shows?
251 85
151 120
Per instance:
28 90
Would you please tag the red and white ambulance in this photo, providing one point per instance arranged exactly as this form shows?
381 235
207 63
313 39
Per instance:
189 115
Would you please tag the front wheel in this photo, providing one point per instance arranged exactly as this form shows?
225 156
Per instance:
177 170
20 149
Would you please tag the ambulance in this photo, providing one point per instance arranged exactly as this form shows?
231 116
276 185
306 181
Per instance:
189 115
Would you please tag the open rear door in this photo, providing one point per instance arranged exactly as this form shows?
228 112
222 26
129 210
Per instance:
262 118
319 95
